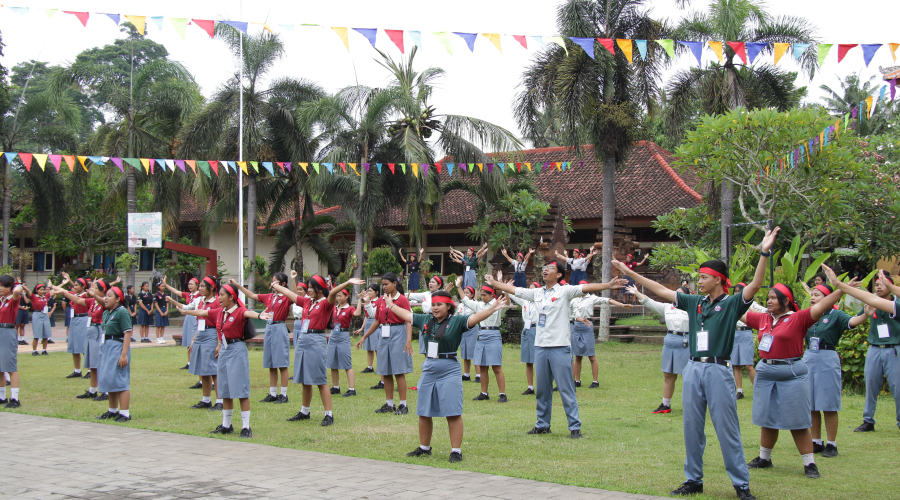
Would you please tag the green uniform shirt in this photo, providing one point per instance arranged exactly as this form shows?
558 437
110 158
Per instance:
472 262
452 334
829 328
116 323
883 318
718 317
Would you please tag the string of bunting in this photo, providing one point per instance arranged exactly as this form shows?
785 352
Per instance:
747 51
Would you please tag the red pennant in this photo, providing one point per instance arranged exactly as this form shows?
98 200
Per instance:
438 166
206 25
391 166
343 167
843 48
82 16
740 49
280 164
396 36
215 166
521 39
608 43
519 166
26 159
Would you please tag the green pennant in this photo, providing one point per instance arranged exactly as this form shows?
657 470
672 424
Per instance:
316 166
255 166
134 162
823 49
471 167
204 167
403 167
669 45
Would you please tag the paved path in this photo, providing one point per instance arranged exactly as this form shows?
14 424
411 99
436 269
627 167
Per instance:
60 459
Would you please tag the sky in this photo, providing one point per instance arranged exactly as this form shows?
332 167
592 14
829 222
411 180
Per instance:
481 84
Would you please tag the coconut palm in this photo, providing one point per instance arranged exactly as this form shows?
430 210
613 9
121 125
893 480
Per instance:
853 91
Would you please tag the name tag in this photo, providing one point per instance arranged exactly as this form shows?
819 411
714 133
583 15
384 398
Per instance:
468 268
542 320
304 326
766 343
44 310
385 331
702 340
201 324
432 350
883 331
527 324
814 344
224 344
102 334
71 312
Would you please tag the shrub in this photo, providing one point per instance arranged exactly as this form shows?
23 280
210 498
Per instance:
381 260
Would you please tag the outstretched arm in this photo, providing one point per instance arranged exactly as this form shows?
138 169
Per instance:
888 282
72 297
497 285
172 288
481 251
287 293
819 310
250 295
332 297
760 276
657 288
400 253
508 258
474 319
615 283
863 295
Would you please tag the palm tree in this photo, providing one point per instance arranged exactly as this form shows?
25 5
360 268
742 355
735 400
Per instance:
853 91
721 87
595 100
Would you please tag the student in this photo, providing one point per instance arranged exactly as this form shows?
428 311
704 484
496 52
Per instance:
395 350
440 391
67 313
365 305
131 305
115 360
675 353
519 265
583 341
412 269
824 364
75 343
707 379
233 369
277 342
530 318
882 361
742 354
202 350
40 324
51 313
488 343
553 344
424 299
10 293
820 279
469 262
301 322
22 315
630 263
189 325
339 356
578 262
145 311
161 319
467 346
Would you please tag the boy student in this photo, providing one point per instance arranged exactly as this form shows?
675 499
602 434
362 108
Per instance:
553 348
707 379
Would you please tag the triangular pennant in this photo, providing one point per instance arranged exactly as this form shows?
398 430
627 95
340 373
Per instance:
444 38
366 167
494 38
255 166
626 47
893 47
118 162
403 167
558 165
450 169
343 167
19 10
342 33
268 166
159 162
868 107
139 22
70 162
208 26
780 49
869 50
893 88
843 48
469 38
799 49
204 167
82 16
717 48
522 40
471 167
370 33
585 43
316 167
281 166
304 166
696 48
240 26
754 48
180 25
415 169
378 166
230 165
289 27
287 166
391 166
519 167
114 17
502 167
26 160
668 45
424 169
10 157
353 166
416 37
180 164
642 48
558 40
56 160
158 21
480 167
192 164
396 36
81 160
96 160
823 49
608 43
214 165
438 166
740 49
330 167
539 39
50 12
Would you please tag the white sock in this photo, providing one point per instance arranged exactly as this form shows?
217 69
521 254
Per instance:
205 399
226 418
369 367
503 394
832 443
484 393
189 364
336 387
531 387
92 390
6 375
577 381
218 401
328 413
456 450
596 381
390 402
426 448
741 391
77 370
304 410
464 374
114 410
817 441
667 401
284 391
351 389
245 419
765 453
4 392
272 391
809 458
125 413
402 402
14 393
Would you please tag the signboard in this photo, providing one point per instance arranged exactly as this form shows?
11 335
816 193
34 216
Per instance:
145 230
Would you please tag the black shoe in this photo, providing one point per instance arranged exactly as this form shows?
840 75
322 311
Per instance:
101 397
740 395
122 418
145 341
2 401
281 399
22 342
818 447
379 385
467 378
481 397
44 353
87 374
216 407
830 451
760 463
811 471
663 409
385 408
577 384
328 420
108 415
539 430
132 339
368 370
350 392
71 375
51 341
185 367
502 398
688 488
455 457
35 353
246 433
478 378
7 383
743 493
528 392
12 403
865 427
335 390
201 405
299 416
198 385
576 434
556 389
594 385
86 395
401 410
268 399
223 430
419 452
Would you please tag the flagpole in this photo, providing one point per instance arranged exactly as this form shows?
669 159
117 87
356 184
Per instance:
241 158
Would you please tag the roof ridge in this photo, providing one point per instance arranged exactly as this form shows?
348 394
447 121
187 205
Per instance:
672 173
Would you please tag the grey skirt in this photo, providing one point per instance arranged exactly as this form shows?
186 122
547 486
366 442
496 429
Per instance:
825 383
298 327
440 389
781 396
392 358
110 377
372 341
674 354
488 348
470 279
467 345
77 331
276 346
309 359
9 350
188 330
40 325
91 347
583 340
527 343
338 356
233 377
203 355
744 349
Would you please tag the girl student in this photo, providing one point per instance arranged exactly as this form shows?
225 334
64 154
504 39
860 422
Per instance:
338 356
10 293
145 311
277 342
424 298
395 349
233 367
530 315
582 309
51 311
115 358
440 391
412 269
309 361
675 353
40 324
189 326
488 343
161 317
469 262
301 321
781 388
202 349
742 354
579 263
131 305
365 306
75 343
467 346
23 313
519 265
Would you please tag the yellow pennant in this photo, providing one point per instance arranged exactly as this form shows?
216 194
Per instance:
626 47
139 22
528 165
558 166
837 129
717 48
81 159
415 167
243 166
894 50
266 27
780 49
303 166
353 166
41 159
342 32
494 38
869 101
481 167
145 162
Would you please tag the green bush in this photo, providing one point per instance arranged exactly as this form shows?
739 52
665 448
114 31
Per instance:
852 349
381 260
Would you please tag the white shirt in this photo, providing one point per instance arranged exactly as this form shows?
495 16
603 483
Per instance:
579 264
519 267
583 307
554 303
493 321
462 310
755 308
529 311
297 312
676 319
370 309
423 298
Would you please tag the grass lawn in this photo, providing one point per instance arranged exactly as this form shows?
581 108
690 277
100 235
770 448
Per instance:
625 447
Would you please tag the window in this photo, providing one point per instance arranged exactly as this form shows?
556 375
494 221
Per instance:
147 260
451 266
650 234
583 236
43 261
435 240
29 242
437 262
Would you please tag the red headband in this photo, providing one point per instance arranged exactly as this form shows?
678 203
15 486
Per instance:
195 280
471 290
118 291
471 249
234 294
441 298
102 284
787 293
742 284
825 291
535 283
83 282
210 282
302 284
726 283
520 255
39 287
439 280
320 281
632 256
485 288
345 291
576 251
583 282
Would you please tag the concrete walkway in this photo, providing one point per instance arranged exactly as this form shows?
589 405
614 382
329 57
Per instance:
54 458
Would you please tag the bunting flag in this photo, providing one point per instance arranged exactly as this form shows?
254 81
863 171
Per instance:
242 27
342 33
717 48
158 21
449 169
82 16
170 164
823 49
893 88
378 166
754 48
214 165
493 37
626 47
522 40
868 108
396 36
438 167
799 49
50 13
539 40
558 40
415 169
343 167
114 17
180 25
209 27
204 167
739 48
843 48
268 166
243 166
469 38
180 164
780 49
869 50
668 45
304 167
893 47
26 160
391 166
416 37
444 38
608 44
56 160
369 33
585 43
696 48
642 48
330 167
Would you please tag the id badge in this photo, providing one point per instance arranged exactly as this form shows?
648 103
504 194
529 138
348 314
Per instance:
527 324
814 344
883 331
102 334
224 344
304 325
432 350
71 312
702 341
44 310
385 331
766 343
542 320
468 268
201 325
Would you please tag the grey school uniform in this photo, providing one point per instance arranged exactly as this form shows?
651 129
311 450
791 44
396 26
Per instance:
527 342
530 317
233 377
824 364
338 355
77 332
276 346
440 390
781 396
40 325
392 356
188 330
110 377
488 343
92 347
676 352
203 355
372 341
583 340
9 350
467 346
744 348
309 359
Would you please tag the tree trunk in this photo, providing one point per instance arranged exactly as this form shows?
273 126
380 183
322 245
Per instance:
727 203
4 258
131 197
609 223
360 238
297 264
251 234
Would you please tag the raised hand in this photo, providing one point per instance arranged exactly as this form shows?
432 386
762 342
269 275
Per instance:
265 316
356 281
293 274
459 281
232 282
829 273
769 240
631 289
620 266
618 283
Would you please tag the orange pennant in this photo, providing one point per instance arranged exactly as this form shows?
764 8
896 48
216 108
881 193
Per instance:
70 161
717 48
192 164
81 159
780 49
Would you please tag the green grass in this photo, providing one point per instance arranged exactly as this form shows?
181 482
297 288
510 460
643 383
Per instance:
639 321
625 447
